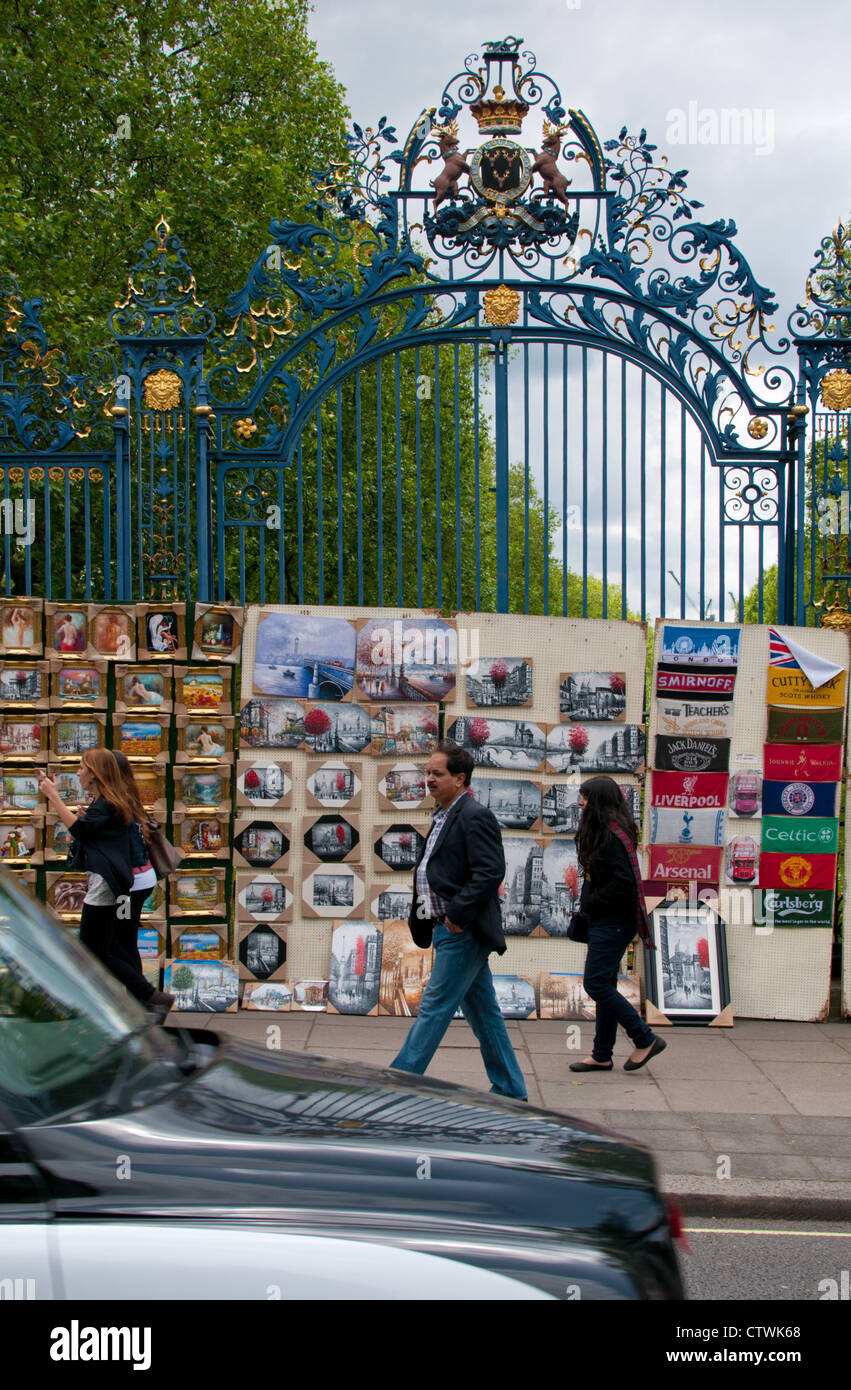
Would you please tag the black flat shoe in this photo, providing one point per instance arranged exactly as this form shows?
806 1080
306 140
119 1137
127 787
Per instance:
591 1066
658 1045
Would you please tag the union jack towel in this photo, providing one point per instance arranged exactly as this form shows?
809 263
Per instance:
784 652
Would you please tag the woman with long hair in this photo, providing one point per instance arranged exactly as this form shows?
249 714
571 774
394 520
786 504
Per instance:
144 879
613 903
101 837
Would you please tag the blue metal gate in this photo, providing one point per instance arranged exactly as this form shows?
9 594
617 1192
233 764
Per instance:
476 375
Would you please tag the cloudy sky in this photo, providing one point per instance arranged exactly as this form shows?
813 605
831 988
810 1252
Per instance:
633 64
650 65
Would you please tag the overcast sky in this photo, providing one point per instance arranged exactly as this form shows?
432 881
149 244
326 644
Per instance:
644 65
631 64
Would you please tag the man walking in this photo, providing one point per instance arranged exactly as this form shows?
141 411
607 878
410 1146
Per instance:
456 904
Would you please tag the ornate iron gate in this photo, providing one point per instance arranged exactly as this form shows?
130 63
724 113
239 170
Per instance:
492 377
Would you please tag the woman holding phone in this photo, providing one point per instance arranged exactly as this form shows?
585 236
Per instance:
102 848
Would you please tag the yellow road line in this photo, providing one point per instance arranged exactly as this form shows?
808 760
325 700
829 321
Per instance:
756 1231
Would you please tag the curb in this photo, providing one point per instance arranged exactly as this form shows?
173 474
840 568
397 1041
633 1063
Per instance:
779 1201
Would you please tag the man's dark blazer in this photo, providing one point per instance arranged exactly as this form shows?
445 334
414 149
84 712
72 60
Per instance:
465 869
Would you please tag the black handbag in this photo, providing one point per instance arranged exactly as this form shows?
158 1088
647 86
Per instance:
577 929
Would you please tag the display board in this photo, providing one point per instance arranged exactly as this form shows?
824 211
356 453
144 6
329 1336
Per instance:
518 685
746 738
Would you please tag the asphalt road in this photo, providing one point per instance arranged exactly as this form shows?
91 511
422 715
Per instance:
766 1260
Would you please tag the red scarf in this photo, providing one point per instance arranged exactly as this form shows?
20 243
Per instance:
642 920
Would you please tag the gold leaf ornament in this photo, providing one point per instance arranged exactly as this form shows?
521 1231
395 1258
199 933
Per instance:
162 390
836 390
502 306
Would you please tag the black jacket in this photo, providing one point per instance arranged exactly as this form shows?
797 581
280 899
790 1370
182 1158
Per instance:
103 846
465 869
608 896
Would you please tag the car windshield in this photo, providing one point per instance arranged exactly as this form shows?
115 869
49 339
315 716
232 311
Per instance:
71 1038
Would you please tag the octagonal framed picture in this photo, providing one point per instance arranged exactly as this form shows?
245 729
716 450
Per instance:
331 838
397 849
261 843
263 897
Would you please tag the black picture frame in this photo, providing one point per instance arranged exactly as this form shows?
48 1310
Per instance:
671 985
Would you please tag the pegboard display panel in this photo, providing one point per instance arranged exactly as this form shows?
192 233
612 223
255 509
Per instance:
775 971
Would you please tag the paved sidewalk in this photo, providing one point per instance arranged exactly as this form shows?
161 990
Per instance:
755 1119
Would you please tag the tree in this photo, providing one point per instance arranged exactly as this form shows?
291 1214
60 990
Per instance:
212 116
478 732
577 739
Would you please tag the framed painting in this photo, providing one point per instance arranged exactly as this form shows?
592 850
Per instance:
261 951
203 986
112 632
67 631
263 897
203 738
217 633
71 791
74 732
20 627
355 972
153 908
593 696
516 744
151 782
57 841
275 997
264 782
403 730
406 659
304 656
332 890
202 837
271 722
142 737
334 784
78 685
21 842
310 996
336 728
209 944
398 847
262 843
197 893
203 788
687 977
403 787
331 838
499 681
516 802
23 738
203 689
139 688
19 791
405 971
161 631
65 893
24 683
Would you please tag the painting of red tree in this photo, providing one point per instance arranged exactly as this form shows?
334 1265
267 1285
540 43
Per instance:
617 684
479 732
317 723
703 952
499 673
577 739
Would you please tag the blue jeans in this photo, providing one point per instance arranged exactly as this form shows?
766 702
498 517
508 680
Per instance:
606 945
460 975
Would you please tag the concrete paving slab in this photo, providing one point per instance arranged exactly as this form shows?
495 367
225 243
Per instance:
771 1167
817 1102
831 1075
657 1119
833 1166
730 1141
790 1050
683 1161
592 1096
815 1125
736 1097
675 1065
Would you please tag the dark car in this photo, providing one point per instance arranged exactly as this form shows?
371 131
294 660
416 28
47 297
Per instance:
145 1162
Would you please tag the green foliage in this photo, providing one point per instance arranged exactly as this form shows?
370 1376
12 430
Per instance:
213 116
